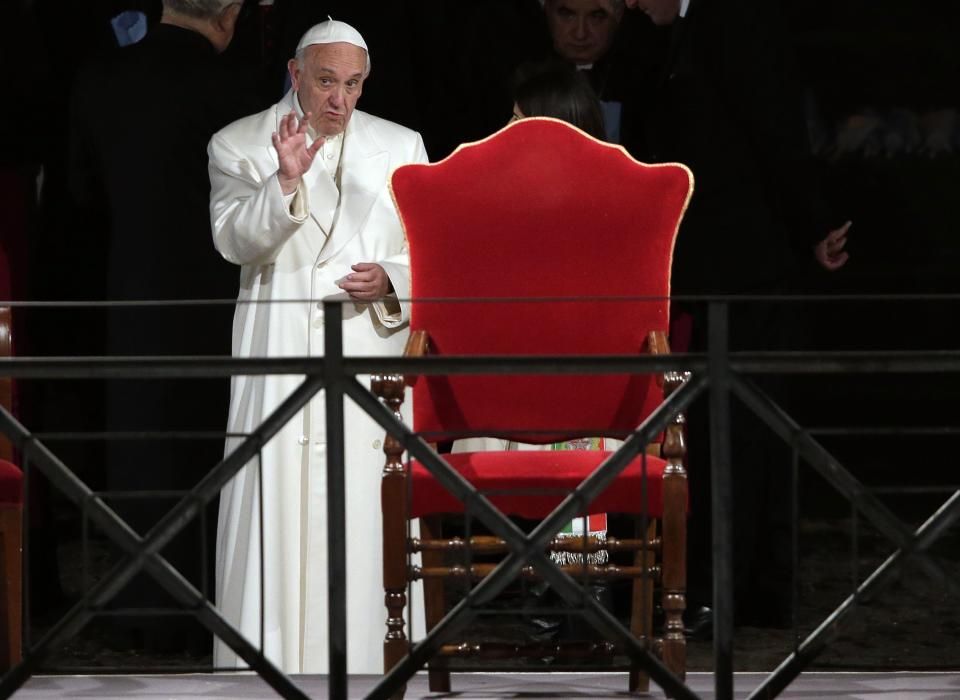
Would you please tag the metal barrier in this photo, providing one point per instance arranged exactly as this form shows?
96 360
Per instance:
720 370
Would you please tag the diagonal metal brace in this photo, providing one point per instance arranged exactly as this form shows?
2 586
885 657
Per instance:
526 548
811 647
145 552
839 477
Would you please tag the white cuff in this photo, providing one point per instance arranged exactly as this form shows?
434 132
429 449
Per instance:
296 203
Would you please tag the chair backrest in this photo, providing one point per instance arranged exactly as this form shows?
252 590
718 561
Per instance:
583 233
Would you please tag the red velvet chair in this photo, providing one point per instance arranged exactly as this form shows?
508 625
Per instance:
539 211
11 522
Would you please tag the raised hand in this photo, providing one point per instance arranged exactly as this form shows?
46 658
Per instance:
829 252
290 140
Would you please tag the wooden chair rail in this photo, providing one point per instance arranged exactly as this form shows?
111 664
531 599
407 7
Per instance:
477 572
565 651
495 545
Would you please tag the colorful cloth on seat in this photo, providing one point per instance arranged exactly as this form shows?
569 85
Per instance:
591 526
594 524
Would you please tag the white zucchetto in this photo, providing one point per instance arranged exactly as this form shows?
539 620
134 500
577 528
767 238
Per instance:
331 32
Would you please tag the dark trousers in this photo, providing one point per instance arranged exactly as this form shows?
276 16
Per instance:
761 476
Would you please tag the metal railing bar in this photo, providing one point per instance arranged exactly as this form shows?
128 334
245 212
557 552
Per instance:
525 548
91 436
945 516
846 362
460 488
915 490
835 474
336 501
886 431
820 362
336 373
149 367
745 299
145 552
721 499
137 435
840 478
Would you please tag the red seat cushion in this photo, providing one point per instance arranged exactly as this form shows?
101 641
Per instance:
537 481
11 483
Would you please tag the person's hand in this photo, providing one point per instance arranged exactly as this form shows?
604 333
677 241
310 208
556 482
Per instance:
829 252
290 140
367 282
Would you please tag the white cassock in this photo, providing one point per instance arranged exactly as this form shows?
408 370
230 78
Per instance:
297 251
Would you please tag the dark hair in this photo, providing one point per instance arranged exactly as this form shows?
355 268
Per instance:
557 89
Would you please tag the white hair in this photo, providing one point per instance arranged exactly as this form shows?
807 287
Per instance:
301 54
201 9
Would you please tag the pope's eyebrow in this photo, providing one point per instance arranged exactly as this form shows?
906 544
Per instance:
332 71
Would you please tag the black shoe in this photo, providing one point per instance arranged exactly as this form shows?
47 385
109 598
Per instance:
540 627
698 624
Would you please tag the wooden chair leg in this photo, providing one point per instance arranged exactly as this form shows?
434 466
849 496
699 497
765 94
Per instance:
674 562
393 491
674 535
435 599
395 644
641 606
11 552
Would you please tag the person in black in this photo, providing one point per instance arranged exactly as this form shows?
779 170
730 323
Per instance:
613 49
139 125
722 101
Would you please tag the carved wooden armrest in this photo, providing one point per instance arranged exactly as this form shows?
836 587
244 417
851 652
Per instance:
671 379
674 443
389 387
418 345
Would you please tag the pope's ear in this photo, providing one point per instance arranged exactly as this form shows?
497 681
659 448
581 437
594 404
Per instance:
293 68
226 21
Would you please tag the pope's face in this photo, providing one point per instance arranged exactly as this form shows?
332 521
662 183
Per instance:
582 30
329 84
660 12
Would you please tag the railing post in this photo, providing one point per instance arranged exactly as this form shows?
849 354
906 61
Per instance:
718 370
336 500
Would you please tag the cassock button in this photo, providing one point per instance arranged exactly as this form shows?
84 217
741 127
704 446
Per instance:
318 322
303 440
376 444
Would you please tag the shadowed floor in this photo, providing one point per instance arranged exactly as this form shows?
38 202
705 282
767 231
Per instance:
838 686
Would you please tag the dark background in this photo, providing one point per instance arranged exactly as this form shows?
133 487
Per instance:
880 79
